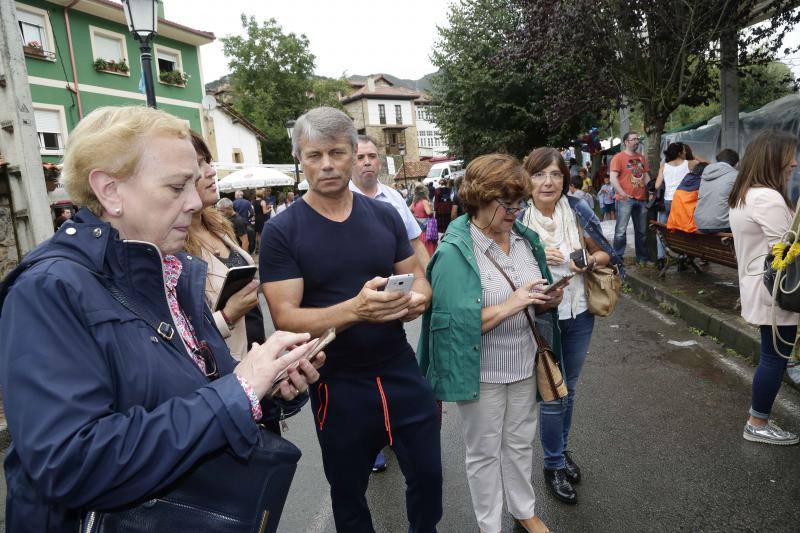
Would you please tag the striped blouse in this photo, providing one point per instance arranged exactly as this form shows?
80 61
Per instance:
507 350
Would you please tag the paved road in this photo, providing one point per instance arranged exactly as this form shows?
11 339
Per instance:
657 431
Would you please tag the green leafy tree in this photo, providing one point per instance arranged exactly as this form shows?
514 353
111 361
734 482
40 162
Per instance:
328 91
657 54
483 102
273 82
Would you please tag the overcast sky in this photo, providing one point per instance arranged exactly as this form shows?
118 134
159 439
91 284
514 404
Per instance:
346 36
352 36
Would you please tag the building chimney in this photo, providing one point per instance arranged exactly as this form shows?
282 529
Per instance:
371 84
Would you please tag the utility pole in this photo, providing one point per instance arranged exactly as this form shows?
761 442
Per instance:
19 142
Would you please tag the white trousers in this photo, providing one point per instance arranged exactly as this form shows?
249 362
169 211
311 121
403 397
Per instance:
499 431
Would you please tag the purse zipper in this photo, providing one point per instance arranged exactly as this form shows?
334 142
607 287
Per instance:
90 518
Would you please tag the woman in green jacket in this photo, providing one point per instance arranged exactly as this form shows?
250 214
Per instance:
476 347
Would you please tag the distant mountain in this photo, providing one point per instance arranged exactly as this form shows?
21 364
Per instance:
422 84
213 86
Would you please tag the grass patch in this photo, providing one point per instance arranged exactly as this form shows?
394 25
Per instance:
697 331
668 308
626 288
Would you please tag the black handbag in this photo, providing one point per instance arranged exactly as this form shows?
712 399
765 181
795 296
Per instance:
782 271
787 292
221 493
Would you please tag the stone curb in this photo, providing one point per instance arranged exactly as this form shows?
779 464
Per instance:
732 331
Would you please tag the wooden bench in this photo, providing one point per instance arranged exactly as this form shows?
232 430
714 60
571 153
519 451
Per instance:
685 248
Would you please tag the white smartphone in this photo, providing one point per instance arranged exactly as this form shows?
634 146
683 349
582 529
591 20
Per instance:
400 283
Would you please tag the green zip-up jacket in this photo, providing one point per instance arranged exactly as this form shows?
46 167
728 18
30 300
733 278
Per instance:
449 349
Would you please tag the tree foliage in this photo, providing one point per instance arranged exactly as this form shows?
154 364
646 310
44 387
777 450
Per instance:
273 81
657 54
483 102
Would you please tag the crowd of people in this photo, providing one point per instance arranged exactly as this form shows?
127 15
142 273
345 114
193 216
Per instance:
123 372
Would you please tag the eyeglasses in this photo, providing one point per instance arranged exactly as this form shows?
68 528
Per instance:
203 351
512 210
542 176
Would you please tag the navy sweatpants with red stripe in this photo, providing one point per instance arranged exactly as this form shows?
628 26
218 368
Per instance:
359 413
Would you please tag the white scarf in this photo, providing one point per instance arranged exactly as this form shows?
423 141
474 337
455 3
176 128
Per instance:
553 231
563 227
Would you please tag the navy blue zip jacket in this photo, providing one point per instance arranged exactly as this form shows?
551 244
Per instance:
102 412
591 226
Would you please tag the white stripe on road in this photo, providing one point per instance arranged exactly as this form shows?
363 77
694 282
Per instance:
649 309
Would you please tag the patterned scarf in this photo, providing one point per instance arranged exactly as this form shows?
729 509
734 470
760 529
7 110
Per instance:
172 272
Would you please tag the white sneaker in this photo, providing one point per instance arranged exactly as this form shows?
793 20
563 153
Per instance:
793 371
769 434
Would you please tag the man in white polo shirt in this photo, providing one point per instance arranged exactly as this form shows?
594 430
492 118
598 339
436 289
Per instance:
365 181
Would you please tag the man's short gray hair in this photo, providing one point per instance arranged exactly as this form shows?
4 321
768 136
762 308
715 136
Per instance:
224 203
323 123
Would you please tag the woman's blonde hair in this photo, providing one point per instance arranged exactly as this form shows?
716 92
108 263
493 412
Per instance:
216 223
110 139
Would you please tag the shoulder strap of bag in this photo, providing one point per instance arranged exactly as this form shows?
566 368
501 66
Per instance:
164 329
540 341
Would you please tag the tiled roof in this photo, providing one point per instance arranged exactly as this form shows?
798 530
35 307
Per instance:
413 169
393 93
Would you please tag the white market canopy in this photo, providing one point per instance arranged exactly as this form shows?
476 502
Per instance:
303 186
254 178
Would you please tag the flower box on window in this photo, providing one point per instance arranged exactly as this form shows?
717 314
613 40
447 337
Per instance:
110 65
173 77
35 49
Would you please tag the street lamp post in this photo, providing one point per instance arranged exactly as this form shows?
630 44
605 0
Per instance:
142 17
290 130
402 148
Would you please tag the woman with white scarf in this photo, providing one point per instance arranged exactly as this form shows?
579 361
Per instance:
555 218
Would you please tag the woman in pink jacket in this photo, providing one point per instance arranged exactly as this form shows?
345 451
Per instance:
761 212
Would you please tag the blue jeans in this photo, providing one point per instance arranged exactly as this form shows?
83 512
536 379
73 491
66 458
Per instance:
627 209
663 217
555 418
767 380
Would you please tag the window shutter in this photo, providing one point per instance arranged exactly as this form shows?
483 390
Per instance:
107 47
47 120
30 18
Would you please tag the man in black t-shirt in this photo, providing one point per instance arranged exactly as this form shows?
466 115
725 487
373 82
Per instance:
323 264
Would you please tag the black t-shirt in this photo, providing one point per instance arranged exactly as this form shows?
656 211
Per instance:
335 259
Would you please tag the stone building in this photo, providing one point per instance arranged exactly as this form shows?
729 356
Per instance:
387 114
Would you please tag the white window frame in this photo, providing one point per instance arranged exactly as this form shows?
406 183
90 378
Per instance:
48 29
94 30
63 122
172 51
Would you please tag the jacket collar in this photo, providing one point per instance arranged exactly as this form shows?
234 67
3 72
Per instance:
134 266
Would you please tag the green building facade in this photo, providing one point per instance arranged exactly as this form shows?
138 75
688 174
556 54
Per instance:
106 68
